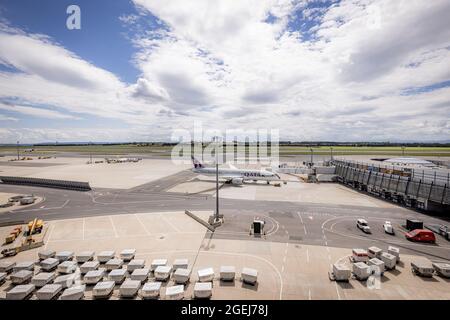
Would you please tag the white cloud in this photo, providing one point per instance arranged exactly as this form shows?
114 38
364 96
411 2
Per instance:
35 112
223 63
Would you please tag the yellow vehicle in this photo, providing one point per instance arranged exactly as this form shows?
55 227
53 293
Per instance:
35 226
13 235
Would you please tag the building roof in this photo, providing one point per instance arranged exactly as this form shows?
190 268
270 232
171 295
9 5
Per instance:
410 161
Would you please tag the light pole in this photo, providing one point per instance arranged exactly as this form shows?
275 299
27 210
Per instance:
18 156
90 152
216 218
311 156
331 153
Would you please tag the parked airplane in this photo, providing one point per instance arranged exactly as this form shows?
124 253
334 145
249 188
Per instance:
234 175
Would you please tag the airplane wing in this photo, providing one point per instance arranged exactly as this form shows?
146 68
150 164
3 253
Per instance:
232 167
230 177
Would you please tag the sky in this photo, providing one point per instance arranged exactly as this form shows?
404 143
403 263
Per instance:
356 70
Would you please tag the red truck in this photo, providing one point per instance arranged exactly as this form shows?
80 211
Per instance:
421 235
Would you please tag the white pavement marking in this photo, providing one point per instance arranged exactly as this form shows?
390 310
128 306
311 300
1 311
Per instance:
113 227
49 235
309 294
38 209
169 223
142 224
337 290
84 224
307 255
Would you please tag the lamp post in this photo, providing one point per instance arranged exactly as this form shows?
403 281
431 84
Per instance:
331 153
311 156
216 218
18 156
90 152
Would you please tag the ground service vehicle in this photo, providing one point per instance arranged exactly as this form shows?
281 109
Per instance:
363 225
421 235
388 228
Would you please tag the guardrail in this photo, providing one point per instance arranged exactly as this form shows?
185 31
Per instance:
50 183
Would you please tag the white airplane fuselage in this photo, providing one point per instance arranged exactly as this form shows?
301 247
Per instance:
243 174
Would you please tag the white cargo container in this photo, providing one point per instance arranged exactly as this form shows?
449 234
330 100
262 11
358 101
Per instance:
442 269
21 277
395 252
390 261
25 265
67 267
249 275
175 292
422 267
180 263
140 274
361 271
127 254
151 290
129 288
43 278
105 256
85 256
156 263
162 273
89 266
7 266
341 272
73 293
376 266
20 292
48 292
3 277
65 281
205 275
103 289
64 256
135 264
360 255
94 276
45 254
49 264
374 252
113 264
181 275
203 290
117 275
227 273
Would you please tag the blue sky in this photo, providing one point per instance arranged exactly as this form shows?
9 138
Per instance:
138 70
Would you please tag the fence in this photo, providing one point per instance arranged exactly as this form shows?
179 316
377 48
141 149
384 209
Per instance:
50 183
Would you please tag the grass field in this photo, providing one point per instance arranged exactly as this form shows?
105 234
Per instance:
283 150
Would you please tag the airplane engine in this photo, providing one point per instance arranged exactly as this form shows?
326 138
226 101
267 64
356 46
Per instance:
237 181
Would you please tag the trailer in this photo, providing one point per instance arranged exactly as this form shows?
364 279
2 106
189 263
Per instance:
67 267
65 281
26 265
21 277
49 264
374 252
43 278
20 292
249 275
227 273
422 267
105 256
395 252
3 277
94 276
89 266
151 290
361 271
7 266
442 269
64 256
340 272
175 292
73 293
156 263
205 275
390 261
127 254
45 254
180 263
85 256
377 266
203 290
113 264
129 288
181 275
412 224
103 289
135 264
140 274
117 275
162 273
359 255
49 291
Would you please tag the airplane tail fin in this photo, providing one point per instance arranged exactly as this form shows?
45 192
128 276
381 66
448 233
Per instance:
197 164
